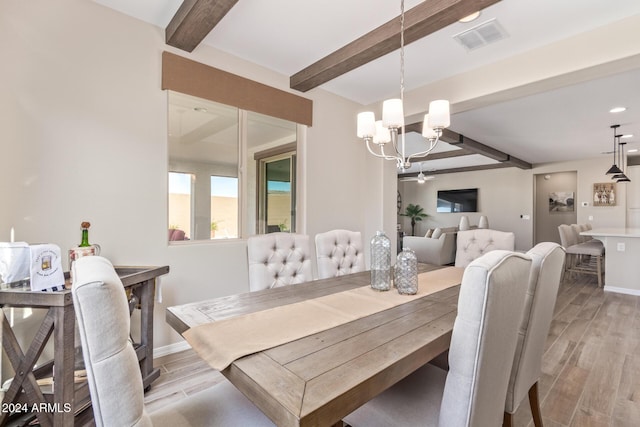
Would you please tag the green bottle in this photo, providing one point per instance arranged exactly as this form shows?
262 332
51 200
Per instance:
85 234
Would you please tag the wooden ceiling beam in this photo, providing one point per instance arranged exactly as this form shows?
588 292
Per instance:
519 163
480 148
420 21
194 20
468 146
458 170
442 155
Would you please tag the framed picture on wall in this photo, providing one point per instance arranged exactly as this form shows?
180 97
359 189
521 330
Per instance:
561 201
604 194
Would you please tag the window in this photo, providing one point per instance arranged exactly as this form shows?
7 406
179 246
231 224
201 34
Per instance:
277 201
218 122
224 207
219 156
180 204
203 142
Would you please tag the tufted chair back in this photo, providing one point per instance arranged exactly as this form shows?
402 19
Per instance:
339 252
472 244
278 259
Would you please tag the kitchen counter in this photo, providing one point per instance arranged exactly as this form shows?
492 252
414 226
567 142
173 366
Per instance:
622 251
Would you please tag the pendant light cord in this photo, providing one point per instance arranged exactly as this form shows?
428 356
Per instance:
402 51
402 74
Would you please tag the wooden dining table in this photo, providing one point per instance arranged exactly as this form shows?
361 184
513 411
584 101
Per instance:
318 379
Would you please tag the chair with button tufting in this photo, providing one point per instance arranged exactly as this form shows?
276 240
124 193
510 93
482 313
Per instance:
278 259
472 244
339 252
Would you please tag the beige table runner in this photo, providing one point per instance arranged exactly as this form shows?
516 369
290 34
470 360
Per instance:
222 342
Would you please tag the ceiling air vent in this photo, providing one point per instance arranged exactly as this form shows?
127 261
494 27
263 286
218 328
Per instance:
481 35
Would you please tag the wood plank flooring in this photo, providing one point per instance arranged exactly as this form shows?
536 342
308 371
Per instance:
591 366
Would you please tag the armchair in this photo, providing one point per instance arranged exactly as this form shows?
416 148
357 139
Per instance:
438 251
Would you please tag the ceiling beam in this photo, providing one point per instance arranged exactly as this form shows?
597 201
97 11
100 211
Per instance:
514 161
479 148
442 155
468 146
458 170
194 20
447 136
420 21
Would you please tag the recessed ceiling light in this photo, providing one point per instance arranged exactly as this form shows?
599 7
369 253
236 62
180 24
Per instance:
633 150
629 135
618 109
470 18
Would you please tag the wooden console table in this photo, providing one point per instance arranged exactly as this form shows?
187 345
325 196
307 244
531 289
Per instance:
25 396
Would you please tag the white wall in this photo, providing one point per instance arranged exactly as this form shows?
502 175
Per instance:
84 138
503 195
506 194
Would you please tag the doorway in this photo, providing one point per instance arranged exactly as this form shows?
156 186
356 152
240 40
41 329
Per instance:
555 196
277 184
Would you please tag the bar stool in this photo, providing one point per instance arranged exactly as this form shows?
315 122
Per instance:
582 258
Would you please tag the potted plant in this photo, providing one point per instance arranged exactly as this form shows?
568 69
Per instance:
416 213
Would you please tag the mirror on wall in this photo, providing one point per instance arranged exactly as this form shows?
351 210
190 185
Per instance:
215 186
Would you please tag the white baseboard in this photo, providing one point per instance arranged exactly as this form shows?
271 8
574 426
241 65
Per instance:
626 291
170 349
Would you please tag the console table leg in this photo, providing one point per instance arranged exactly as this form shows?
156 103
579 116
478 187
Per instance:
64 366
23 366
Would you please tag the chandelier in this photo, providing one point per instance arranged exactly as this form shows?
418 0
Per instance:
377 134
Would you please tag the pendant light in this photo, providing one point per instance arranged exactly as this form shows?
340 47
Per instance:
392 124
622 177
614 168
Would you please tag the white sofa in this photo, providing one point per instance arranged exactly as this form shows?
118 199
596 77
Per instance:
438 251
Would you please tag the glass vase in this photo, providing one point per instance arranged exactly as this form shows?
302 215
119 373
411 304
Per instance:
380 262
406 272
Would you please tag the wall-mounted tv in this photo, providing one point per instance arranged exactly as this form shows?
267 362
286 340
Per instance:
458 200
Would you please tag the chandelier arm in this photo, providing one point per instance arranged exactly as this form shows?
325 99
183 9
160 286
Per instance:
389 157
394 140
424 153
382 156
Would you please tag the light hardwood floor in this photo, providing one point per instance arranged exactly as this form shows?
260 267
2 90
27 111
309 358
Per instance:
591 366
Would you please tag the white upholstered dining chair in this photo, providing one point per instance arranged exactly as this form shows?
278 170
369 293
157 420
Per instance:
278 259
473 243
339 252
544 280
115 382
483 343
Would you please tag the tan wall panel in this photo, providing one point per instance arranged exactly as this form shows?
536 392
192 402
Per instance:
196 79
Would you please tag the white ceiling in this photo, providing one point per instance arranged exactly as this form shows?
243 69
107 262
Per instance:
567 123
